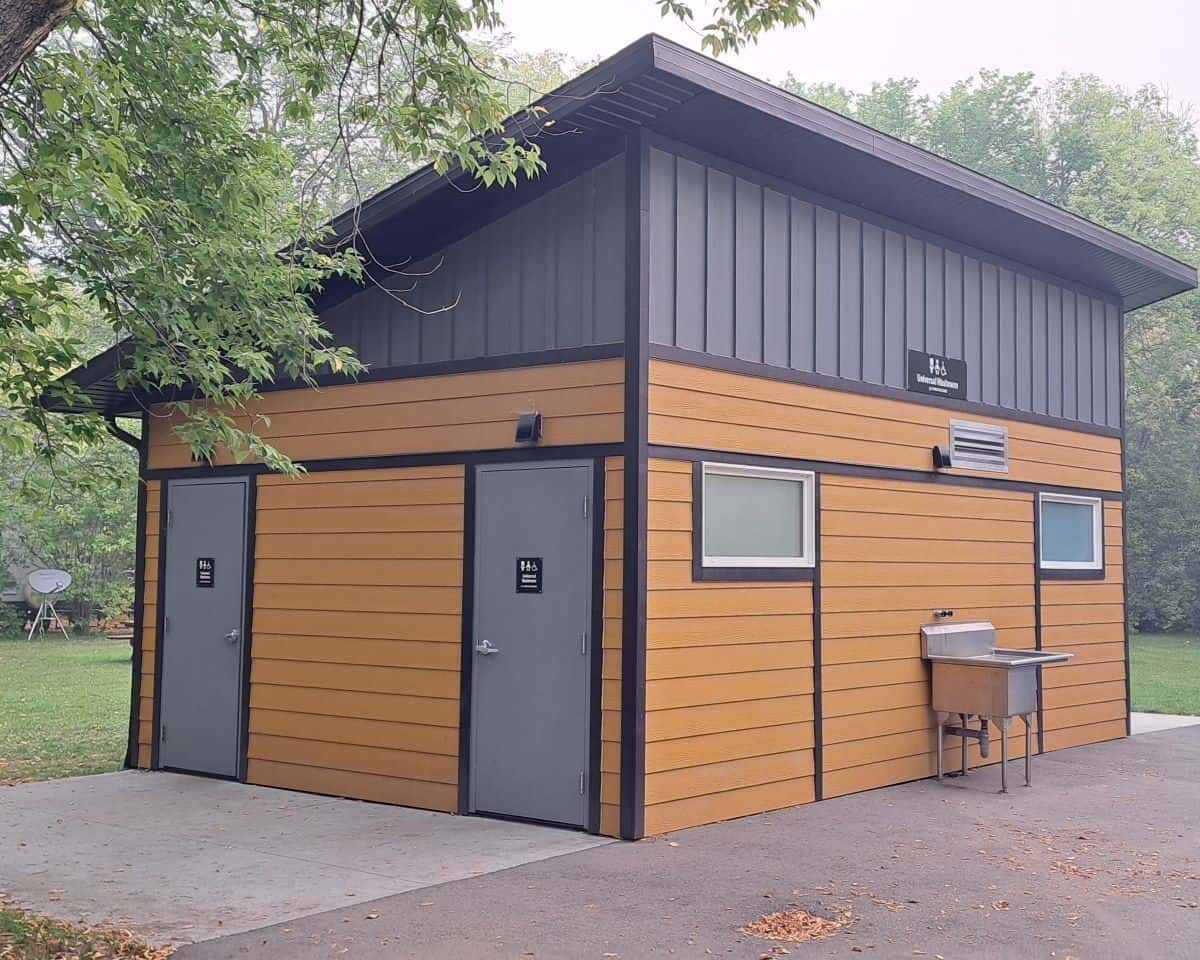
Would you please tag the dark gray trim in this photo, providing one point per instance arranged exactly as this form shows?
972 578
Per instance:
633 584
767 371
859 470
596 648
139 604
564 452
818 699
247 623
1125 543
1071 574
467 658
701 573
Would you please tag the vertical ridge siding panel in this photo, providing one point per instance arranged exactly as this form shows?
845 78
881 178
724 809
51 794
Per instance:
803 290
874 342
747 271
850 279
1040 356
859 294
954 304
719 229
1112 366
1054 350
973 328
549 274
1007 313
1024 358
828 284
935 303
776 240
663 257
690 244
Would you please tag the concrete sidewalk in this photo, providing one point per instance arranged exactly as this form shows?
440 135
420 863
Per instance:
1101 858
1154 722
185 858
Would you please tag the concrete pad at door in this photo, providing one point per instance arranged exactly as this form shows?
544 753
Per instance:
181 858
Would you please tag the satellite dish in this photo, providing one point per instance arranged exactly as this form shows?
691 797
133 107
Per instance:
49 581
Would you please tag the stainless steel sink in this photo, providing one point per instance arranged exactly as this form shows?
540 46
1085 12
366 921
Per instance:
972 677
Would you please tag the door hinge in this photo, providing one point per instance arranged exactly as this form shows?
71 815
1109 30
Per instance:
581 783
166 625
163 733
583 643
587 507
170 517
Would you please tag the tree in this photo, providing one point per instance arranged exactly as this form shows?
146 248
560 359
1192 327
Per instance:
146 166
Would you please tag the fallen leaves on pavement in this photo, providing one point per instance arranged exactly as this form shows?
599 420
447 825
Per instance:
27 936
795 926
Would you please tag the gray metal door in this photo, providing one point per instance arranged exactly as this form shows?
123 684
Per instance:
204 591
530 687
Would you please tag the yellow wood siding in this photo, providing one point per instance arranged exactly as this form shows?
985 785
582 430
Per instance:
149 601
356 634
1084 700
610 717
712 409
729 728
878 725
579 402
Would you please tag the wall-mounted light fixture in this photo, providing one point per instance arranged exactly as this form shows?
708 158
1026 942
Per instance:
529 427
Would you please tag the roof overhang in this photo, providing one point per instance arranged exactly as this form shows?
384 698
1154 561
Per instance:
664 87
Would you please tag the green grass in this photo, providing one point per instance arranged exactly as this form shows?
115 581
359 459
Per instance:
1166 673
64 707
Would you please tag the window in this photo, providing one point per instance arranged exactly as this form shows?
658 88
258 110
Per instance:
755 518
1071 532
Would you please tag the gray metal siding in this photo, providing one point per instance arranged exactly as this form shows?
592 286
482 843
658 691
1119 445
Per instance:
740 270
549 275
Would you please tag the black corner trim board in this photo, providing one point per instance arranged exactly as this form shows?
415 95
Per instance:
243 769
466 654
818 659
1037 621
596 648
633 584
158 623
139 611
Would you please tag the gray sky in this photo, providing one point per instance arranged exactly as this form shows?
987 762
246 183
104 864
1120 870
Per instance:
936 41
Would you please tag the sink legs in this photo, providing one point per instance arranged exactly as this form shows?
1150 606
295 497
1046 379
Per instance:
1003 723
1028 748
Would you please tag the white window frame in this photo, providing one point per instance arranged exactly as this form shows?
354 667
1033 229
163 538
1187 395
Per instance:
806 478
1097 506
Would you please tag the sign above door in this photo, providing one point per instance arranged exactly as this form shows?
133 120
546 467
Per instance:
937 376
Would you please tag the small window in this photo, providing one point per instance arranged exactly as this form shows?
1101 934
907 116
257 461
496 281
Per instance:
757 518
1071 532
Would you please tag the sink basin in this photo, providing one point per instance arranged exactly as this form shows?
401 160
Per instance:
1005 659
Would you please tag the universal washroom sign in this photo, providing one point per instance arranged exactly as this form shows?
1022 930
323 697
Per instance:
936 375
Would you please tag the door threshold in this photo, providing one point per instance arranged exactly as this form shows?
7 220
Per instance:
514 818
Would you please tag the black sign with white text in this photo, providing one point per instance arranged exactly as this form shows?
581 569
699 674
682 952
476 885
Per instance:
205 572
936 375
529 574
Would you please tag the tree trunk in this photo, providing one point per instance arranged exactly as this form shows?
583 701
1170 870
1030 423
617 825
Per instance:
23 25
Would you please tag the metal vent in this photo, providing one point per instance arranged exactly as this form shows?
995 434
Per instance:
978 446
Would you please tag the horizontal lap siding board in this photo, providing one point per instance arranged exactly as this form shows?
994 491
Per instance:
878 726
1084 700
692 406
149 601
610 711
729 711
354 684
579 402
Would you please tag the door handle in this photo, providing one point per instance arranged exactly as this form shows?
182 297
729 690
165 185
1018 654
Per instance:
485 648
233 636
